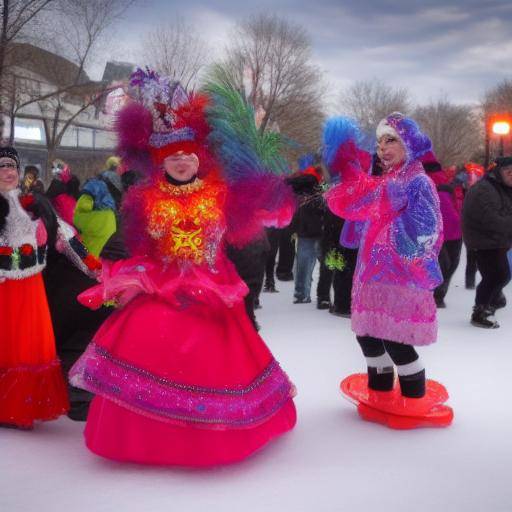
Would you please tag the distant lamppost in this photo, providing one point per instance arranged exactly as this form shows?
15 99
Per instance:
496 124
501 128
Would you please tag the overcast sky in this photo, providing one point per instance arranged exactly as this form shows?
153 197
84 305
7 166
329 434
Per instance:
434 48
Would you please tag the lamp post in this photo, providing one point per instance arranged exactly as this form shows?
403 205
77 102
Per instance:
501 128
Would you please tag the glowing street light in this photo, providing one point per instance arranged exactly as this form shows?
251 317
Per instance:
497 126
501 128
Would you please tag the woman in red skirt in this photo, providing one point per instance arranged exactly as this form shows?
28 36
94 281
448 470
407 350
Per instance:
32 386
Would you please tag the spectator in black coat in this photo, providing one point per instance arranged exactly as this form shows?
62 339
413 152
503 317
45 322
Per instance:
307 224
487 229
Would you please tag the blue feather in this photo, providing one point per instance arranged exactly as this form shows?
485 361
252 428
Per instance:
338 130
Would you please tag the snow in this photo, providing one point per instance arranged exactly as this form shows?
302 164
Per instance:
332 460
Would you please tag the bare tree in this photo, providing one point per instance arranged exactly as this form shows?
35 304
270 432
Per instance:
16 17
81 27
175 49
269 61
455 131
499 98
370 101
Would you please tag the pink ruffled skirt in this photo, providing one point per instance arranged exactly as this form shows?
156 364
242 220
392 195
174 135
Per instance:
190 386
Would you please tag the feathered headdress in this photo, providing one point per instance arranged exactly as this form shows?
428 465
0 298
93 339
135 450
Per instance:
161 119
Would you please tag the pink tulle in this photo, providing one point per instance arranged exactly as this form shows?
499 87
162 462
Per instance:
406 315
123 280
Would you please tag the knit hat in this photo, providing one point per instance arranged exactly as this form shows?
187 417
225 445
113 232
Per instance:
112 161
405 129
503 161
10 152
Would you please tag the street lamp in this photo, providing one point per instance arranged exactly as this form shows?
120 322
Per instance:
501 128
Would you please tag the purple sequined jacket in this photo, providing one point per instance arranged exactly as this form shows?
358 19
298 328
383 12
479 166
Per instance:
397 266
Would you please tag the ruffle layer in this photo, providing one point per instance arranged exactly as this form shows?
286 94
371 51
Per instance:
395 313
29 393
124 280
159 398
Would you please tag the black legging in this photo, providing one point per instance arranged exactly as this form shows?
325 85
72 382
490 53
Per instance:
399 352
495 270
411 373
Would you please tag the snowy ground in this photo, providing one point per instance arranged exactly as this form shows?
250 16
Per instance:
332 461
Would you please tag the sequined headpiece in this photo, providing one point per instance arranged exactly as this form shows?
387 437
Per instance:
163 119
407 130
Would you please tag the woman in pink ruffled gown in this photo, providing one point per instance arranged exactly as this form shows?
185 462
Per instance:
181 377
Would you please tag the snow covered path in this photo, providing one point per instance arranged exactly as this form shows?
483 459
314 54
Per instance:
332 461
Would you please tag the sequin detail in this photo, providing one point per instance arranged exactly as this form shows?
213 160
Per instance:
101 373
186 221
405 315
397 266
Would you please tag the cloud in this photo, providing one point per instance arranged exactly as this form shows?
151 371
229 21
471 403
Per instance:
440 47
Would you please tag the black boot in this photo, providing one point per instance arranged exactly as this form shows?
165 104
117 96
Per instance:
413 386
382 381
499 302
483 317
323 303
270 288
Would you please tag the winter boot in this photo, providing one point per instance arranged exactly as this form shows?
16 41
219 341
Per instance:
483 317
270 288
413 386
499 302
323 303
382 380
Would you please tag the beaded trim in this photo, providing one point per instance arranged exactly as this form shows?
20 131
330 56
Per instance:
159 140
140 390
181 190
187 387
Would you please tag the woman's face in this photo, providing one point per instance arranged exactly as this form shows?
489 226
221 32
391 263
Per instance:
181 166
9 178
391 151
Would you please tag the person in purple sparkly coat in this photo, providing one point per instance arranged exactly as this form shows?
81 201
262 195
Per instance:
393 308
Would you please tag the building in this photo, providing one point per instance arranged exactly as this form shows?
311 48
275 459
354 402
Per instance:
54 110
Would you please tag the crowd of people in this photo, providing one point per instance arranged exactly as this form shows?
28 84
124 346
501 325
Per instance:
141 286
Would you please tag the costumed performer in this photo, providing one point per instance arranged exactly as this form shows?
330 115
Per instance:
181 376
32 385
393 308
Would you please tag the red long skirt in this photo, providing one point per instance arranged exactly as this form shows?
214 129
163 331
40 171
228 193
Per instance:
32 386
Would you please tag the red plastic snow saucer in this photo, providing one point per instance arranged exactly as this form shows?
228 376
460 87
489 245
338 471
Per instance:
392 409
